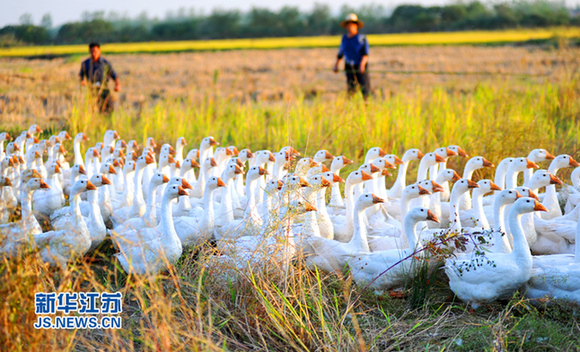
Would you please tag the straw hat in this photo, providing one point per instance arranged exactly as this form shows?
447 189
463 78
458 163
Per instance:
352 17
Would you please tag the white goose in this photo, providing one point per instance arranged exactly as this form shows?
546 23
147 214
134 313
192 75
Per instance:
389 268
476 216
337 164
14 236
537 156
480 279
400 183
343 224
61 246
148 219
551 198
556 276
159 246
47 202
475 163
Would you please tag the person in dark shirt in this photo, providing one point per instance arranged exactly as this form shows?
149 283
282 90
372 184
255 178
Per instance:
97 71
354 47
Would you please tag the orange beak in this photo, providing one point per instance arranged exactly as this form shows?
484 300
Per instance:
182 192
250 155
184 183
420 155
439 158
471 184
398 160
518 195
238 170
436 187
82 170
213 162
531 165
456 176
324 168
346 161
194 163
96 153
336 178
106 181
271 157
374 169
263 171
116 135
90 186
386 172
280 184
486 163
172 151
212 141
38 130
450 152
365 176
495 187
423 191
85 138
229 152
43 184
382 153
533 195
377 200
170 159
539 207
324 183
149 160
220 183
56 169
573 162
431 216
304 183
329 156
309 207
554 180
112 170
165 179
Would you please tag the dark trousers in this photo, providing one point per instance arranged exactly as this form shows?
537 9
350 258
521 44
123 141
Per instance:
105 102
355 79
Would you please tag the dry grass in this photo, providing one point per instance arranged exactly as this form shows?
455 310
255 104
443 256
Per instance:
267 99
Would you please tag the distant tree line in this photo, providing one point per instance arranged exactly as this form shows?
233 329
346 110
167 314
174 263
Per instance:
288 22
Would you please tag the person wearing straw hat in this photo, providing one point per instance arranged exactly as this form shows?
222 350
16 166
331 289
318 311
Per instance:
354 47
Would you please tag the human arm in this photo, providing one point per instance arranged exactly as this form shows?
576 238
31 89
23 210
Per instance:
339 56
117 84
363 63
82 75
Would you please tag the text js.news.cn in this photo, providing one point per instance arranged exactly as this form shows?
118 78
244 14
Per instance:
88 314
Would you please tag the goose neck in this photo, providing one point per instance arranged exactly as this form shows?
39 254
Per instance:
521 249
411 232
359 241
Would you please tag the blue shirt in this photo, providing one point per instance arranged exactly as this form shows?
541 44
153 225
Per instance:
97 72
353 49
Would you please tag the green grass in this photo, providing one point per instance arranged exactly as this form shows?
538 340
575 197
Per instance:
436 38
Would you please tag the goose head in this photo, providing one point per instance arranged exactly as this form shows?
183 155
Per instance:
543 178
36 183
322 156
527 192
132 145
91 154
527 205
273 186
318 181
107 168
412 154
129 167
367 200
448 175
383 164
458 150
180 181
181 142
77 170
193 154
5 136
245 155
290 150
34 129
158 179
214 182
338 162
320 168
357 177
374 153
121 144
132 155
53 169
332 177
7 162
167 149
143 161
431 159
81 137
520 164
165 160
486 186
189 164
64 136
305 164
208 163
173 192
445 152
110 137
507 196
504 164
463 186
59 148
234 150
539 155
414 191
295 181
81 186
255 172
231 171
5 181
11 148
48 143
150 143
264 156
369 168
563 161
99 180
431 186
393 159
418 214
478 162
207 143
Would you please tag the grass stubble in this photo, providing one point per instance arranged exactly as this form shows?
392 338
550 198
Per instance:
194 306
